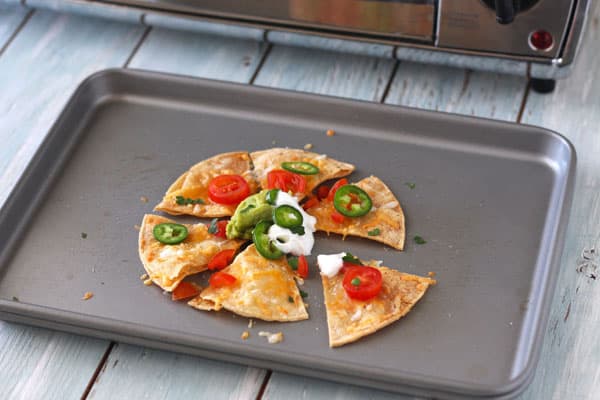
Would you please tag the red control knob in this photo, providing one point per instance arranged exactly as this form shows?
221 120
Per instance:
541 40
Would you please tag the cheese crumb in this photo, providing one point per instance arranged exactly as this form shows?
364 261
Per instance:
148 282
143 277
308 146
144 199
136 227
250 324
87 296
245 335
272 338
431 274
330 132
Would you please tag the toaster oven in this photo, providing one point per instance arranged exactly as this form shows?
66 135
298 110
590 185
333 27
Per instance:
538 38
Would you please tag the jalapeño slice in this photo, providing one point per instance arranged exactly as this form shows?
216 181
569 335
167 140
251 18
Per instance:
287 216
170 233
300 167
271 196
264 245
352 201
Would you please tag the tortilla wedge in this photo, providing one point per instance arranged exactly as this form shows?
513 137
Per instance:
385 221
270 159
167 265
349 320
264 289
193 184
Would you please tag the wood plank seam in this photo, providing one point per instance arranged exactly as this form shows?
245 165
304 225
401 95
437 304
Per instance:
262 61
524 102
388 86
137 45
264 384
99 369
16 32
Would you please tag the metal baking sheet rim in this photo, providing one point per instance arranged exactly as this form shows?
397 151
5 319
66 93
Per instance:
143 335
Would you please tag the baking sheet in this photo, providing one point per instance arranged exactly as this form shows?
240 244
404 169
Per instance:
490 199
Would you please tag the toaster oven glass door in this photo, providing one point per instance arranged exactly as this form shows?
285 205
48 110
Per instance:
408 19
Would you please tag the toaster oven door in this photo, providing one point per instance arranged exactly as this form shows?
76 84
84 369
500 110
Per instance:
394 19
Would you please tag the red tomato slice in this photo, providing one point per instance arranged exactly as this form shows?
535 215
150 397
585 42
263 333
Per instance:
337 217
302 267
221 259
323 192
311 202
220 279
286 181
184 290
228 189
335 187
367 282
222 229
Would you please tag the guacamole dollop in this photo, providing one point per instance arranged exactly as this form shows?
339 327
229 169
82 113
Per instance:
249 213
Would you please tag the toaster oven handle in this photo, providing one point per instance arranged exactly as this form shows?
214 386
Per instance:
505 11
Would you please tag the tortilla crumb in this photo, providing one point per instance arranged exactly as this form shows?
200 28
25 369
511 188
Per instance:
245 335
87 296
431 274
330 132
250 324
308 146
272 338
143 277
148 282
144 199
137 227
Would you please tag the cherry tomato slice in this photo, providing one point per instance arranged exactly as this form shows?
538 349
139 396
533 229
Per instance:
184 290
221 259
286 181
220 279
302 267
362 283
222 229
337 217
228 189
323 192
310 203
335 187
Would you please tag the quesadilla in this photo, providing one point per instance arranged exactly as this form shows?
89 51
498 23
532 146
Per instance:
320 168
383 223
189 194
260 288
168 264
349 320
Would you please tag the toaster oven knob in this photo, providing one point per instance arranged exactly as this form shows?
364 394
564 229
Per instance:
506 10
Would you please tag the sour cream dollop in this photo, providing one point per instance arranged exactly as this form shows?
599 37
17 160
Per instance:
288 241
330 264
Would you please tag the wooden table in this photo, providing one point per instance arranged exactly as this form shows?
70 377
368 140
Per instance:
44 56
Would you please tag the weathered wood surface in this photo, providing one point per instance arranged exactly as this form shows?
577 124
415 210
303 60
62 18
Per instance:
200 55
334 74
39 70
133 372
570 364
11 19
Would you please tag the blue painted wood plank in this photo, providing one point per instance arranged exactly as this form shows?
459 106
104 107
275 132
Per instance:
43 364
92 9
569 365
38 71
43 65
176 376
460 91
200 55
11 17
134 372
322 72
